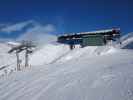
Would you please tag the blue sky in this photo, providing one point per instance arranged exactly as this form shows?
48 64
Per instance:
69 15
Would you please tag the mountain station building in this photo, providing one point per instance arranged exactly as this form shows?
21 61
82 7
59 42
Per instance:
94 38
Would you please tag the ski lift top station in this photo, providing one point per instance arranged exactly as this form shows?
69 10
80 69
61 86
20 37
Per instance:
94 38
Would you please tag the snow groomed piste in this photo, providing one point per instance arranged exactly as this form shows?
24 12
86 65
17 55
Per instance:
58 73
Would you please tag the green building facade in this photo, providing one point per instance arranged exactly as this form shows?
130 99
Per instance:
93 40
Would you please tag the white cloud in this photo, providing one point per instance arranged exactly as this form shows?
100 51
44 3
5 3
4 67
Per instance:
15 27
5 39
3 25
39 33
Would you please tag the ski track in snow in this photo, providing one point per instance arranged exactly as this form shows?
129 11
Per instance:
90 73
73 80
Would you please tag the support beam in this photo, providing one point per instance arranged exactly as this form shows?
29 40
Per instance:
26 58
18 61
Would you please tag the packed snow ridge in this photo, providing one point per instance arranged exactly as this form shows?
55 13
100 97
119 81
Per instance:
58 73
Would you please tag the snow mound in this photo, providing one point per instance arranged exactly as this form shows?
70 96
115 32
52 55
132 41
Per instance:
48 54
90 51
53 53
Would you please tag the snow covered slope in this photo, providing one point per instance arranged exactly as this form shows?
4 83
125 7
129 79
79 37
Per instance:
127 41
107 76
48 54
7 61
52 53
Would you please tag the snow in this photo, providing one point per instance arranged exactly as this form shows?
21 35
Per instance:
48 54
105 77
6 59
11 43
127 41
58 73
